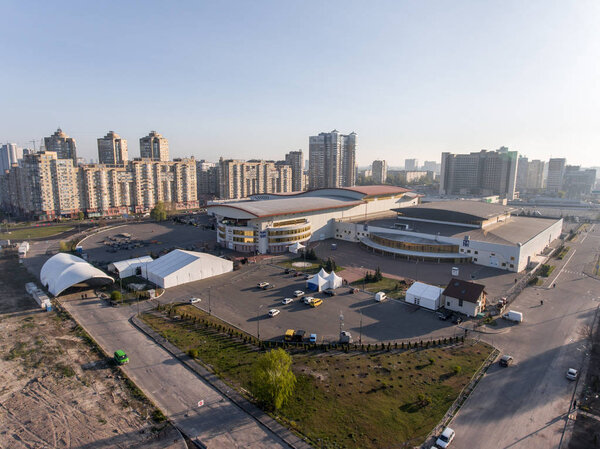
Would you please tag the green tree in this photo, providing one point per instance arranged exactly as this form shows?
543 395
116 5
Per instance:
80 216
273 381
116 295
377 276
159 213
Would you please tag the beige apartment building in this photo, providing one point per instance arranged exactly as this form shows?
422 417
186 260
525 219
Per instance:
64 146
45 187
155 147
112 149
241 179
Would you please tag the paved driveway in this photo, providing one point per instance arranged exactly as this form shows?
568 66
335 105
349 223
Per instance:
525 406
175 389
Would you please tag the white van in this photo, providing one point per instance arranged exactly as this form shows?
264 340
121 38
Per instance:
380 296
513 315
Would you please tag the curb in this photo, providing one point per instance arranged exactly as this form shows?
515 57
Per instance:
287 436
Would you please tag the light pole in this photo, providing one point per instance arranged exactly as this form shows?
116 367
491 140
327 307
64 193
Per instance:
360 332
209 306
258 323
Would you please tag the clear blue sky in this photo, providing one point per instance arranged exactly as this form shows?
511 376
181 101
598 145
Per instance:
254 79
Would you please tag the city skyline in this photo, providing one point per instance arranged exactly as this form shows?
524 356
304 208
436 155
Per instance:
430 80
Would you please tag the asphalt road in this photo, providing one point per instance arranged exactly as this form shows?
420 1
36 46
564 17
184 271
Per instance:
217 424
525 405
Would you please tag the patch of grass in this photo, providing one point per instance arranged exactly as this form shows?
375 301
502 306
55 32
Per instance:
65 370
391 287
562 252
158 416
19 350
367 400
546 270
35 233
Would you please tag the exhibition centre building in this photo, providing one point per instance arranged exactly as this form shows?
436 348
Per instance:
270 223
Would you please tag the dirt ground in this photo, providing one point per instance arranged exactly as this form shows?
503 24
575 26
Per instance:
56 390
586 431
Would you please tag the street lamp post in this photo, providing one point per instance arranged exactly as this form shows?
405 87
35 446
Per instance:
209 305
258 323
360 332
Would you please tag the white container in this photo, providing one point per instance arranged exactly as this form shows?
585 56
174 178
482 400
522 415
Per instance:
513 315
380 296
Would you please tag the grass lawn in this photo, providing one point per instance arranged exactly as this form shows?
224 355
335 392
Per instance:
40 232
391 287
356 399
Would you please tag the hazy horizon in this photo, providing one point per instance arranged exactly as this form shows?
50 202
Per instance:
255 80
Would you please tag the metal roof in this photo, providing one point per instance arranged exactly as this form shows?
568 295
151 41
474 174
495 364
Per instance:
63 271
459 211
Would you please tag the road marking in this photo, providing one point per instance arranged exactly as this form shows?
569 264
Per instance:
561 270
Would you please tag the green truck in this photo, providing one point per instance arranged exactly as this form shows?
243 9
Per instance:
121 358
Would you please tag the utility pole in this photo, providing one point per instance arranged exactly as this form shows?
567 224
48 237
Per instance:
209 307
360 334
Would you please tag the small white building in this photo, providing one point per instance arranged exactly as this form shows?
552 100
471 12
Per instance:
180 267
424 295
464 297
129 267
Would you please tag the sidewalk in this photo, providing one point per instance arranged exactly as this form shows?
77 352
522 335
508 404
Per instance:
285 434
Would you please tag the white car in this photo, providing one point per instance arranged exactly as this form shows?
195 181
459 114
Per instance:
445 438
298 293
273 312
262 284
287 301
308 300
194 300
572 374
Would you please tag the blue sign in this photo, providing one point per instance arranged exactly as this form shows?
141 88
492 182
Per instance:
466 240
262 234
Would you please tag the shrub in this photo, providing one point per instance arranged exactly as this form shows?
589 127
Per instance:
457 369
193 353
116 295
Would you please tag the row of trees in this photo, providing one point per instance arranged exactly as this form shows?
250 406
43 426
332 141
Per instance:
374 277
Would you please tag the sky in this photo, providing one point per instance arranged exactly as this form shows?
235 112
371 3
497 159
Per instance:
254 79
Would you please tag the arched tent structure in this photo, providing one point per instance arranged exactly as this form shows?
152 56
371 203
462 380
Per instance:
63 271
316 283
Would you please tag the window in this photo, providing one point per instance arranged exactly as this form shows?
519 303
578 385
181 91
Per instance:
476 252
512 258
460 303
475 259
469 251
448 303
511 265
503 264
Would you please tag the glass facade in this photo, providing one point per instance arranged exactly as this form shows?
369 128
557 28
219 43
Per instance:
416 247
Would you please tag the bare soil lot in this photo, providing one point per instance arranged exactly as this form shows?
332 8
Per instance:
56 391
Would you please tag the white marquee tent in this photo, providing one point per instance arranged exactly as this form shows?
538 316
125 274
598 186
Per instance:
424 295
63 271
296 247
324 280
126 268
317 283
180 267
334 281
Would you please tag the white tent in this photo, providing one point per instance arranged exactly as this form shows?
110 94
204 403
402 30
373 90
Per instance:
129 267
296 247
317 283
63 271
334 281
180 267
424 295
324 274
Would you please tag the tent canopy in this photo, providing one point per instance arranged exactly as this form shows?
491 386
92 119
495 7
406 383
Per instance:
334 280
63 271
425 291
317 283
296 247
127 268
180 267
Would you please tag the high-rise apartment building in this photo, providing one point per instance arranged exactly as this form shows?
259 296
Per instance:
332 160
241 179
522 173
208 179
411 164
112 149
432 166
295 160
61 144
556 172
379 172
482 173
10 154
578 183
535 175
155 147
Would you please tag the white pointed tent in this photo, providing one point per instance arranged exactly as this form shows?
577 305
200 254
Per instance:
324 274
334 281
296 247
317 283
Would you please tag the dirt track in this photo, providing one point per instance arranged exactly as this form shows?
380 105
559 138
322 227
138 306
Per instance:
56 391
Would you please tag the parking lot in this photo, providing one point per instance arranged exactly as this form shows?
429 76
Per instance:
235 298
152 237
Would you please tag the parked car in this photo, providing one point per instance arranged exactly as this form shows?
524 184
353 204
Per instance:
286 301
330 292
308 299
268 286
289 334
444 315
345 337
445 438
287 271
506 360
298 293
307 276
380 296
313 338
262 284
194 300
353 290
273 312
572 374
120 357
513 315
316 302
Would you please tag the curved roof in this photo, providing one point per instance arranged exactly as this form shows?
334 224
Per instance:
458 211
63 271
